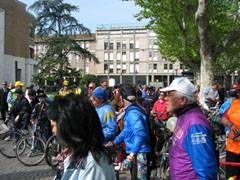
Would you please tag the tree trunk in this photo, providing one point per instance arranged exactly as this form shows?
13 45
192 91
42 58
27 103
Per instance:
206 49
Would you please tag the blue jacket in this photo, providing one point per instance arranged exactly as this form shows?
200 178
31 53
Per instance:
108 121
135 132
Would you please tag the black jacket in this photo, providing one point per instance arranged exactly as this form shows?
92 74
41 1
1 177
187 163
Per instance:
3 97
40 112
20 107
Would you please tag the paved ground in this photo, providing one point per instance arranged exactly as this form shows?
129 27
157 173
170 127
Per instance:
12 169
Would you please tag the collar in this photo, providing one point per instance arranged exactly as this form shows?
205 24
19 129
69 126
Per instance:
102 104
184 109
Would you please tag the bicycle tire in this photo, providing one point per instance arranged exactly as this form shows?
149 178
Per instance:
54 151
7 147
26 154
47 149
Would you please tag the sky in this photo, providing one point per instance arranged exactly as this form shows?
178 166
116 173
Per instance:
95 13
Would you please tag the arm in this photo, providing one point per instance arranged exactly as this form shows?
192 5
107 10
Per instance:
35 112
9 98
120 138
198 144
139 130
110 123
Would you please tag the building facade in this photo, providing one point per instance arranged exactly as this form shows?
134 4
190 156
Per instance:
16 43
125 54
130 54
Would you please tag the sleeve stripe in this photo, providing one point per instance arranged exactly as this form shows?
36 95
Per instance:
108 114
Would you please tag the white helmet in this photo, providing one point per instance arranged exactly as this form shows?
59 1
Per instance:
171 123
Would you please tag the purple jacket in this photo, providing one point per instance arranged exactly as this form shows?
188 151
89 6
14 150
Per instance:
192 152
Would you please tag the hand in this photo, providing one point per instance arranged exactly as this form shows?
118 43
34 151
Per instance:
7 119
16 119
127 163
234 132
110 144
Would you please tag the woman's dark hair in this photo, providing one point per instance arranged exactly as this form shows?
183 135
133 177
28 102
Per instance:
79 127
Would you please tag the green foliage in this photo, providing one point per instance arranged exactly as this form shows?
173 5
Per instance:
178 36
56 28
89 78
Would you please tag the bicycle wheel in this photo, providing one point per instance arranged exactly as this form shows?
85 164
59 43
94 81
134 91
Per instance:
49 143
8 142
55 149
30 151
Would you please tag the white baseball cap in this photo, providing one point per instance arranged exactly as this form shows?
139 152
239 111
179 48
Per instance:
182 85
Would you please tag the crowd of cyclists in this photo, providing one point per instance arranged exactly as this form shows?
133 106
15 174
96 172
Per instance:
89 120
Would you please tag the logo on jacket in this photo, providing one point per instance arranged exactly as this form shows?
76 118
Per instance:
199 138
178 132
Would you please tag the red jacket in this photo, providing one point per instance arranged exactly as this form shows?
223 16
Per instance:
160 107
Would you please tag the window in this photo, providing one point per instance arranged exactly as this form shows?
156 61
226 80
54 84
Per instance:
87 69
87 60
136 56
111 57
170 66
82 44
110 68
111 45
31 32
136 68
118 44
106 68
150 43
131 44
165 66
105 56
123 68
154 66
150 67
131 68
124 57
118 56
155 55
105 45
150 54
124 46
87 44
155 42
137 44
131 56
118 68
31 52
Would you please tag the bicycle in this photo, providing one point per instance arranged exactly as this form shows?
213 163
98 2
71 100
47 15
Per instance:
30 149
161 169
53 148
9 140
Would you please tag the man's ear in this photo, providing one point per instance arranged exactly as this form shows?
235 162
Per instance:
184 100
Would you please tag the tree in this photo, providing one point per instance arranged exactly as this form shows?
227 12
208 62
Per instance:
198 33
89 78
56 27
218 33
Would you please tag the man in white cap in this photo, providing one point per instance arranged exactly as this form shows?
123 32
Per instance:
192 152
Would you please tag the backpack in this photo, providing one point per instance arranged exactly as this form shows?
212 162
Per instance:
158 134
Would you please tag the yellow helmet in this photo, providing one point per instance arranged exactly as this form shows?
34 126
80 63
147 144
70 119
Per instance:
18 83
65 83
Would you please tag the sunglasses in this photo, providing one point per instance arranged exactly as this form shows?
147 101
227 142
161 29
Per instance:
90 87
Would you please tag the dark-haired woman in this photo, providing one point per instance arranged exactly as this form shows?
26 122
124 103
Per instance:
77 126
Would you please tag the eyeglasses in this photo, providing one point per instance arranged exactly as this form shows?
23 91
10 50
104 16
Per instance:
90 87
161 94
4 84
